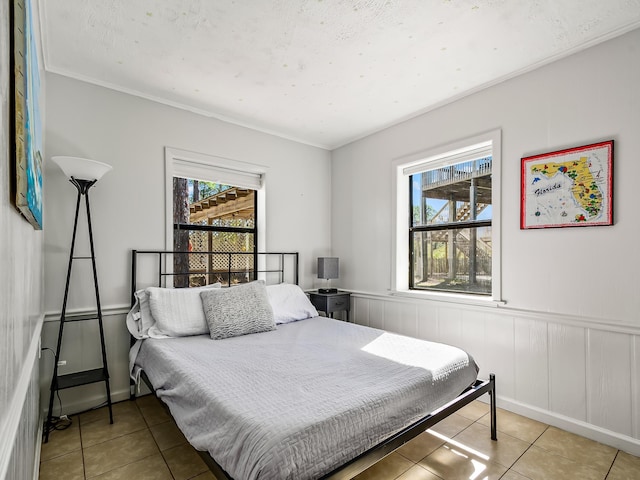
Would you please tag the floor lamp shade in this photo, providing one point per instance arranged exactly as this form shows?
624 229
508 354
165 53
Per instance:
82 168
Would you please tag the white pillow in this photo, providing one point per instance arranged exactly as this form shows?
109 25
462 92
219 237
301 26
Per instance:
238 310
176 312
289 303
139 318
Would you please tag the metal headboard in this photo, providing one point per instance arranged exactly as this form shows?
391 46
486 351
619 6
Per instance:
284 265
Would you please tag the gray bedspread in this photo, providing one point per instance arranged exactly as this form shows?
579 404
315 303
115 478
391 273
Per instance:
299 401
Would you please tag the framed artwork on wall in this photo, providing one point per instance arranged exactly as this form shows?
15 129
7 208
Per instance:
26 189
568 188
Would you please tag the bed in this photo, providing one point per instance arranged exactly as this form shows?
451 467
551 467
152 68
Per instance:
312 397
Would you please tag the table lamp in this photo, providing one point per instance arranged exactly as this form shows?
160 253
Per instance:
328 268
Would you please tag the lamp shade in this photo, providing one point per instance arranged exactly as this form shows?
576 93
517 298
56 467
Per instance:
328 267
82 168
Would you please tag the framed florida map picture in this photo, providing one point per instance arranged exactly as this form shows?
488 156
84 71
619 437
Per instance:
568 188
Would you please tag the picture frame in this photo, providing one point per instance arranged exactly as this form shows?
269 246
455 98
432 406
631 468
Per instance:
568 188
26 188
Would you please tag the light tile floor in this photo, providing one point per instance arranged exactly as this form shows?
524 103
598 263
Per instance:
144 443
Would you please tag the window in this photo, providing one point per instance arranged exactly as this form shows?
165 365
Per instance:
448 238
450 228
215 206
211 217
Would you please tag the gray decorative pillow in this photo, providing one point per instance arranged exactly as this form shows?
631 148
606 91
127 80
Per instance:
238 310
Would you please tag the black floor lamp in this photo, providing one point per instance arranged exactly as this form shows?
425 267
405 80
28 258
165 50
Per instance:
83 174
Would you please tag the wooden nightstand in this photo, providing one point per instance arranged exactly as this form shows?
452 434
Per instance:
331 302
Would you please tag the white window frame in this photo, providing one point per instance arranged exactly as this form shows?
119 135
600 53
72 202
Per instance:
210 168
433 158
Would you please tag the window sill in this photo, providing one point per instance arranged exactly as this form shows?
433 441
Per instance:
485 301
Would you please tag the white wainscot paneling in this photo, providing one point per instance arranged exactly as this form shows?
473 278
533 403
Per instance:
473 339
500 353
567 371
531 366
428 322
401 317
450 325
360 311
392 316
376 314
609 380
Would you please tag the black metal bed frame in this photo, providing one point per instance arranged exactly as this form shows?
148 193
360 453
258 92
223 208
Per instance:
371 456
163 254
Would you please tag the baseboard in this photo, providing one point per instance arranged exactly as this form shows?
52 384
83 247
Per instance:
90 402
622 442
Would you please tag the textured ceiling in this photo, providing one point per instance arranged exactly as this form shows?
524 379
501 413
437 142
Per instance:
324 72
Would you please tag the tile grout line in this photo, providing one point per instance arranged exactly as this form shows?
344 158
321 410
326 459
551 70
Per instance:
523 453
557 454
147 427
510 468
444 443
154 439
531 445
612 463
84 466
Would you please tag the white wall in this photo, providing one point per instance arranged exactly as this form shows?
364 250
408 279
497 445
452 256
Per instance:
566 346
20 304
128 205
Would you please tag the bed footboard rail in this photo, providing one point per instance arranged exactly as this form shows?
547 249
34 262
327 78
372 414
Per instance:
370 457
